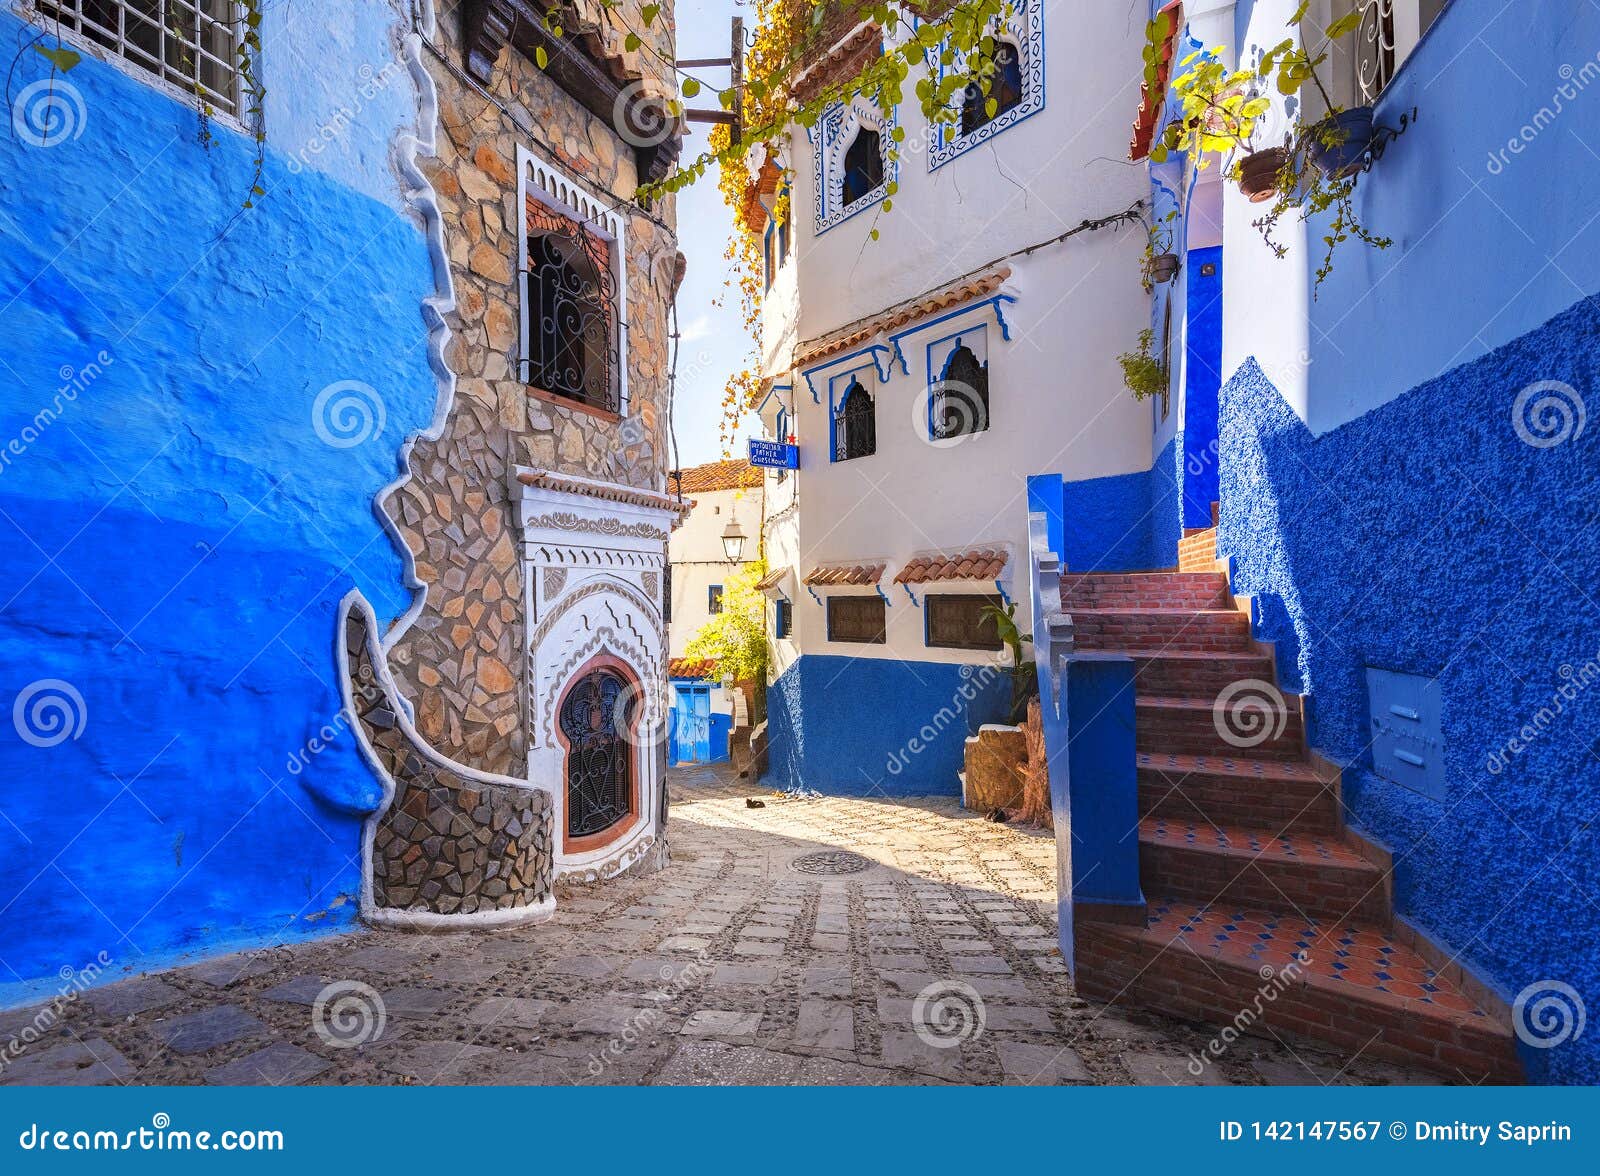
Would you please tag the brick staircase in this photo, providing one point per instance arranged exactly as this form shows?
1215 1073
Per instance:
1257 896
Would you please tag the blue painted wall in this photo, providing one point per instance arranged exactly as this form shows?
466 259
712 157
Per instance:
856 726
1126 522
1429 537
1202 379
177 532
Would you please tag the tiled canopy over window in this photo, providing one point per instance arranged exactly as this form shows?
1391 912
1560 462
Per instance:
191 45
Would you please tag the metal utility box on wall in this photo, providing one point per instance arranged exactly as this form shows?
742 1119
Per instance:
1407 730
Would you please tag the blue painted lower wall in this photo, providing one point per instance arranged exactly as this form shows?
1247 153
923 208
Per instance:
1430 537
855 726
1202 380
179 529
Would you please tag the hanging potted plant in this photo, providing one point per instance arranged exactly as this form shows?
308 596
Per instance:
1160 263
1313 172
1144 374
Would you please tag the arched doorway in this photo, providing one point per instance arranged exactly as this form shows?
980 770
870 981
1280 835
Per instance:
597 720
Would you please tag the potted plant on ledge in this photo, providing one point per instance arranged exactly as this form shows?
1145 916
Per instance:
1312 172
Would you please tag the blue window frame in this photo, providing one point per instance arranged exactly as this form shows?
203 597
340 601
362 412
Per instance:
714 599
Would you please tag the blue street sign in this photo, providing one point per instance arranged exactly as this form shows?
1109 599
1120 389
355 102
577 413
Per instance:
774 455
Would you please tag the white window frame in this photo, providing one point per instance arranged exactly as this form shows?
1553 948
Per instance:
29 11
559 192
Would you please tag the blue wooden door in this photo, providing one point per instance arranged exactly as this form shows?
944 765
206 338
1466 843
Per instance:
691 723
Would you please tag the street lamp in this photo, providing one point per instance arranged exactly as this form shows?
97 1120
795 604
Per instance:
733 541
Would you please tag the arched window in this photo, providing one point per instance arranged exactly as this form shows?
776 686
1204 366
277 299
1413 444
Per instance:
863 165
570 335
960 401
1005 88
855 429
596 717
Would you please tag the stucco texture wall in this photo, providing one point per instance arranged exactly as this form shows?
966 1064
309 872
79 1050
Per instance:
848 726
182 506
1451 533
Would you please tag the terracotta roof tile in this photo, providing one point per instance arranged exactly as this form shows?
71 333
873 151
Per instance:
981 564
716 475
1151 98
832 576
692 667
964 289
771 580
609 491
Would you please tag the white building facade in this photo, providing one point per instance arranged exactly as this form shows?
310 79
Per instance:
925 374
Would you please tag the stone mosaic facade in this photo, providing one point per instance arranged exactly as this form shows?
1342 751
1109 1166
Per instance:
459 663
446 844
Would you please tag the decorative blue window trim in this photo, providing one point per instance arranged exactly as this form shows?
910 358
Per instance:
1024 28
838 384
713 599
769 264
835 130
972 308
882 361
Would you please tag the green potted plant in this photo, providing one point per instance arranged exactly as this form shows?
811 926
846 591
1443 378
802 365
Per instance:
1142 372
1311 173
1025 674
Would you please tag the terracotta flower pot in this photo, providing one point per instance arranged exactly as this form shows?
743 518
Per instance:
1164 267
1258 173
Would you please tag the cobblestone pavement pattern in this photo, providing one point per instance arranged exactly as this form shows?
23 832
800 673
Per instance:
935 961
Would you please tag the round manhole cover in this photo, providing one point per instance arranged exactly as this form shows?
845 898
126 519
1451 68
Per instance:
831 861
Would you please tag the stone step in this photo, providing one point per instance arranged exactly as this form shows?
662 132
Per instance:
1161 629
1314 876
1281 796
1143 590
1192 673
1345 985
1188 726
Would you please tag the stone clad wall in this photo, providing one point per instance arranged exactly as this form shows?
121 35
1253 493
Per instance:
445 845
457 663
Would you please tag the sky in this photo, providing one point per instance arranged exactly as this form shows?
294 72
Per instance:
714 343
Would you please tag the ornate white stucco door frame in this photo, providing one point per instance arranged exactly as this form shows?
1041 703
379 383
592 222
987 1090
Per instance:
593 554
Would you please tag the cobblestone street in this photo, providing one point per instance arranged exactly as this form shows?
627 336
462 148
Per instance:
744 962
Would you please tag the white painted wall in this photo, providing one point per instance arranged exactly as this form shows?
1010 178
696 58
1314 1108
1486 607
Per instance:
1057 401
698 560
